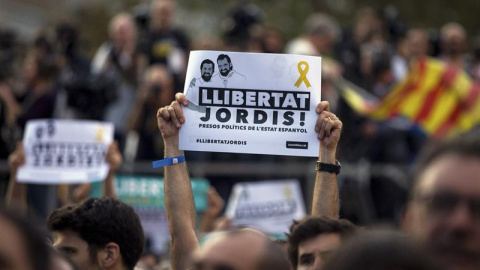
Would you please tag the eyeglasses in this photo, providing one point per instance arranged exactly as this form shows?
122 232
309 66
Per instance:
445 203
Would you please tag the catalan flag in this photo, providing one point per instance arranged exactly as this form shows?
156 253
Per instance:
442 100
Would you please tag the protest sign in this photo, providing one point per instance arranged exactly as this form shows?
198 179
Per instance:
65 151
269 206
146 195
251 103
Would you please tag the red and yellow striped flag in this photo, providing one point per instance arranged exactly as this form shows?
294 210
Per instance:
441 99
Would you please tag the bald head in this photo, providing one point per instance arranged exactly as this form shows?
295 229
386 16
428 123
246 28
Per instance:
122 28
240 250
453 38
161 14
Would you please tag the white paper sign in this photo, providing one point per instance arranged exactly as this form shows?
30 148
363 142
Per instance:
269 206
251 103
65 151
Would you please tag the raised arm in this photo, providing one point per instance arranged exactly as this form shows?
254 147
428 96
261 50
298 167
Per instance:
114 159
215 206
325 195
16 196
178 190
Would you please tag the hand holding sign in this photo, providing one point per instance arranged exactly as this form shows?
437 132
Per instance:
170 119
328 127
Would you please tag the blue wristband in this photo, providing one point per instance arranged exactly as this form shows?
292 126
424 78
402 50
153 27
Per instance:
168 161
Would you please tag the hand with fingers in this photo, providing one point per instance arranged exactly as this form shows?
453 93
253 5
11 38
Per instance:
170 119
215 203
328 127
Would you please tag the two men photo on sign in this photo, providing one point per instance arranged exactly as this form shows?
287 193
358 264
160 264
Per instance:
226 77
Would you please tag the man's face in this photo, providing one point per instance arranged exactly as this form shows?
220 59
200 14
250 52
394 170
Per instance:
224 66
207 70
313 253
444 214
13 250
239 252
72 246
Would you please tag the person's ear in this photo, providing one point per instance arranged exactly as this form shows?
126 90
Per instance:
110 255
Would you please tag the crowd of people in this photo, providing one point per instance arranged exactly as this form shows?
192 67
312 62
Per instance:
439 229
134 81
147 57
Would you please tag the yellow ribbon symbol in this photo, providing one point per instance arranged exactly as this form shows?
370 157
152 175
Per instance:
303 74
287 192
100 134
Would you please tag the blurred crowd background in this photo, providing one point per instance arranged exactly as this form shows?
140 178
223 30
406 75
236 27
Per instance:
119 61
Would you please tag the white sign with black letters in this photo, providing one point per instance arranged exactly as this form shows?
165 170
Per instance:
269 206
251 103
65 151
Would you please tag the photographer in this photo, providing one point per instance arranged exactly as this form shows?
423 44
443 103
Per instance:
155 91
85 95
120 58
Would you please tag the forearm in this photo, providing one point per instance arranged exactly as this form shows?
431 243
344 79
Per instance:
16 196
109 185
180 209
325 194
178 191
206 224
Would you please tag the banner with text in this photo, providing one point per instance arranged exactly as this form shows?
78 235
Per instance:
251 103
269 206
65 151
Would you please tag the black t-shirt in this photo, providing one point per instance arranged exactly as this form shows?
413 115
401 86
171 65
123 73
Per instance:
157 46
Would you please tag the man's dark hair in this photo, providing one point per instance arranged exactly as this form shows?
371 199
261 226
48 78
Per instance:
207 61
311 227
224 56
466 145
99 221
34 240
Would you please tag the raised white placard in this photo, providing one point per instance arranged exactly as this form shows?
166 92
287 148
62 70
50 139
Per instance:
269 206
251 103
65 151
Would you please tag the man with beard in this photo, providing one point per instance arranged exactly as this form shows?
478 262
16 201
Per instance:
227 76
207 67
